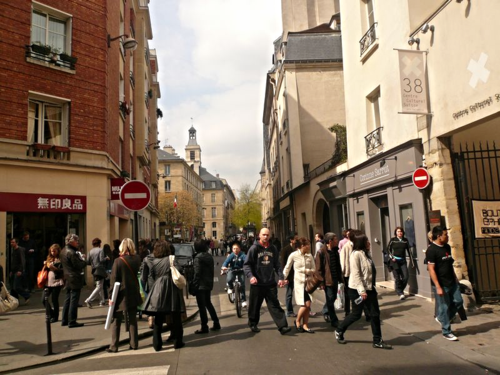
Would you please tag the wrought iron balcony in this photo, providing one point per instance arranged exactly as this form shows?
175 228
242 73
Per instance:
327 165
373 140
368 39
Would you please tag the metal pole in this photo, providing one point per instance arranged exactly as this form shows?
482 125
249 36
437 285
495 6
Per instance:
47 320
136 229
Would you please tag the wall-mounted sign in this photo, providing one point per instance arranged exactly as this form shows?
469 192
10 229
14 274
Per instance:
412 72
116 186
19 202
486 218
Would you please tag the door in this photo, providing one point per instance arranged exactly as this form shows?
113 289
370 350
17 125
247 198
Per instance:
385 234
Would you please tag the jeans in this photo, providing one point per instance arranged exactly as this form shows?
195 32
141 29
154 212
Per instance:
70 308
448 305
231 276
17 286
289 295
269 293
98 290
331 296
400 277
54 292
371 304
204 304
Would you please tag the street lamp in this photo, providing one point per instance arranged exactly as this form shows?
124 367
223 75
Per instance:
157 145
128 43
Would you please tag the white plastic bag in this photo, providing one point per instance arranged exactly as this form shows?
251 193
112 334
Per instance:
339 302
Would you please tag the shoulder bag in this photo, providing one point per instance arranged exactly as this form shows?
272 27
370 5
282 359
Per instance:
7 302
178 279
43 277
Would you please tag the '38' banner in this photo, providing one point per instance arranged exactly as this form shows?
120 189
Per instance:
413 82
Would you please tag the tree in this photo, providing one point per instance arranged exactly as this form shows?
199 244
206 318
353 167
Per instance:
186 213
247 208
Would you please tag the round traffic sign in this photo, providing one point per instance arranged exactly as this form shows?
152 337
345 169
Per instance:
135 195
421 178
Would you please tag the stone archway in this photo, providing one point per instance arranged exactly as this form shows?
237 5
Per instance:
321 216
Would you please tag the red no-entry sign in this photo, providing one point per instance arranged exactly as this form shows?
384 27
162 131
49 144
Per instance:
135 195
421 178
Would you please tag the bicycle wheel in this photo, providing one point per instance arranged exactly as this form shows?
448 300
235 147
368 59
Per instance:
237 298
231 296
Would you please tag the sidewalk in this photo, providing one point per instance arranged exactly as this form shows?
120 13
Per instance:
479 336
23 338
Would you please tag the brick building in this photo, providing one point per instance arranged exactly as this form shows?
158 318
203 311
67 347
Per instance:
73 119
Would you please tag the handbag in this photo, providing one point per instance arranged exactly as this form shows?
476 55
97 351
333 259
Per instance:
177 277
7 302
43 277
313 281
339 302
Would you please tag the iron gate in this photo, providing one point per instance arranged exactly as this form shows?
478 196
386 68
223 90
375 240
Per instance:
477 177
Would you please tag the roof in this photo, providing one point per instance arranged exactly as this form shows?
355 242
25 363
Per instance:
208 178
310 47
164 155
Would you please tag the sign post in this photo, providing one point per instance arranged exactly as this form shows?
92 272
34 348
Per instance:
421 178
135 195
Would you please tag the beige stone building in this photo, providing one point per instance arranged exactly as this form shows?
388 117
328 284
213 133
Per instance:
457 141
177 175
304 98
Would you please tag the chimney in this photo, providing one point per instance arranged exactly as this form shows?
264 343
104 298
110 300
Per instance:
169 149
217 175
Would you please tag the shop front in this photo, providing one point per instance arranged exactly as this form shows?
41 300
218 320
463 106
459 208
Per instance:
381 196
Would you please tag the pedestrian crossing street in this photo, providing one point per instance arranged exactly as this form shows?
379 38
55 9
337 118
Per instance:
157 370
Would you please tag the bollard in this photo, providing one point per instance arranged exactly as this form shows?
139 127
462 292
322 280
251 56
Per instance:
47 320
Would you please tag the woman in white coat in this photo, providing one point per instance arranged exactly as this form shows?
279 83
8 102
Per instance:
303 264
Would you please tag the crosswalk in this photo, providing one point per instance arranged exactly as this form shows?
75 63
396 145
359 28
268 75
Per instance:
157 370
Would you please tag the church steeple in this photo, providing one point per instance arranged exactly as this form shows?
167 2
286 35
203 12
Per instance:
193 151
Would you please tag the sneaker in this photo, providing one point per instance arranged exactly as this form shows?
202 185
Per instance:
451 337
244 304
229 291
340 337
326 317
254 329
382 345
437 320
291 315
402 297
89 305
102 303
312 313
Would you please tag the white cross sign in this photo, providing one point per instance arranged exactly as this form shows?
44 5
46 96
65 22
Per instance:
411 66
478 70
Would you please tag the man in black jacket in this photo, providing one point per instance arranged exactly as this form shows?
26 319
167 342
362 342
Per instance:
204 282
260 267
32 259
17 271
73 266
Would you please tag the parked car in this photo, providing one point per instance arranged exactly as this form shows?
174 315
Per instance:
184 255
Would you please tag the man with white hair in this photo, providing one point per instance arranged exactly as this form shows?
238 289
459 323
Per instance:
73 265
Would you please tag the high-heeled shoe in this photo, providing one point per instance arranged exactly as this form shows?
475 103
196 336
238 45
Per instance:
298 328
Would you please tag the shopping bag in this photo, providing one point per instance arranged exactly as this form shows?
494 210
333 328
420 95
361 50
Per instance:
143 294
7 302
339 302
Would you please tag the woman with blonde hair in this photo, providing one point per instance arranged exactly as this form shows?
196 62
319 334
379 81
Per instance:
55 281
303 264
125 270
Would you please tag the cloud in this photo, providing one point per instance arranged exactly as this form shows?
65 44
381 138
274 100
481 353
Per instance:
213 57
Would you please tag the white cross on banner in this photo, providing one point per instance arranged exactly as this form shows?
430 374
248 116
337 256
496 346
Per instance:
413 81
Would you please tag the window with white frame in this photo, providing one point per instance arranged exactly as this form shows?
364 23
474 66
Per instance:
204 212
373 110
167 169
213 197
51 27
48 121
214 212
167 186
370 15
214 224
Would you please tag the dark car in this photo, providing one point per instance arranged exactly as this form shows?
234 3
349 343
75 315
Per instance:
184 255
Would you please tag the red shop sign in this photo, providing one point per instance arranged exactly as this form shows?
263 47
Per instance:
19 202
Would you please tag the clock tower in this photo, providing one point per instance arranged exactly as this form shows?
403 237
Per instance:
193 151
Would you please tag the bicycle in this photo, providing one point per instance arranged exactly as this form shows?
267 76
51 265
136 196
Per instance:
235 296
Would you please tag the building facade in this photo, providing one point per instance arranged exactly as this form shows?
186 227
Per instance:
67 128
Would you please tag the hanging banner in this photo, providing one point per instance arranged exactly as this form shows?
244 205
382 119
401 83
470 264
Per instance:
486 218
413 82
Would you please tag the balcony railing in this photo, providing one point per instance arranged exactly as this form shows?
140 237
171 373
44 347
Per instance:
44 54
329 164
368 39
43 150
373 140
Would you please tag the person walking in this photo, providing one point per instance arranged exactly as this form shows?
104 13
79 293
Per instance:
97 260
345 255
164 298
261 265
125 270
32 260
18 271
397 249
55 281
108 265
444 281
73 265
302 263
203 281
328 266
362 291
284 255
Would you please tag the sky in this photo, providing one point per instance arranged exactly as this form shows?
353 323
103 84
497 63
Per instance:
213 58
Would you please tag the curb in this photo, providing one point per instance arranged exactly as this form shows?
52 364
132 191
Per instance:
92 351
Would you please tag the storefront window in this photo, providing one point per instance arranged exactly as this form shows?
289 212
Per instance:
406 216
360 216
